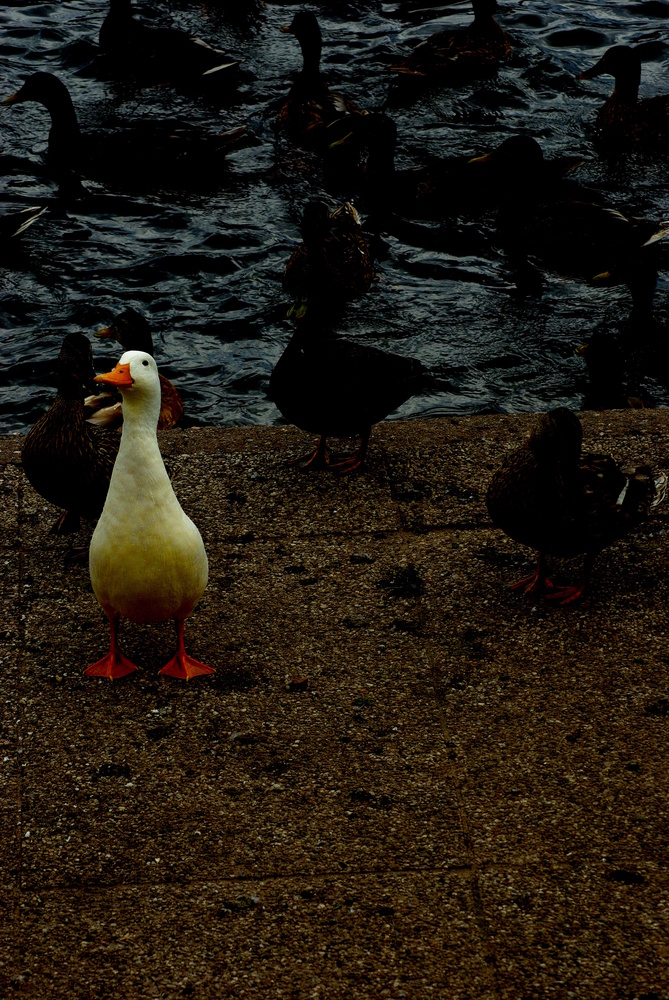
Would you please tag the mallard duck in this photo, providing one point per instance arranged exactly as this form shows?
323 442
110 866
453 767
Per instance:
518 169
65 460
147 153
335 388
550 219
442 186
455 184
147 560
462 53
14 223
311 108
550 497
333 264
166 55
623 116
133 333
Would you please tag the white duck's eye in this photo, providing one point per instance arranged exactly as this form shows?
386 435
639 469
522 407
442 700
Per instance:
145 363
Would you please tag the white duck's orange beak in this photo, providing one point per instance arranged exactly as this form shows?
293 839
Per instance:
120 376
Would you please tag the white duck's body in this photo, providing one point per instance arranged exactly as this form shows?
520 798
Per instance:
147 560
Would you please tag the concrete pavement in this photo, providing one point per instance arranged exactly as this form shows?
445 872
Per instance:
404 779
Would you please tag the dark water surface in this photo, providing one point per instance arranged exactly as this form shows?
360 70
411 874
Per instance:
206 269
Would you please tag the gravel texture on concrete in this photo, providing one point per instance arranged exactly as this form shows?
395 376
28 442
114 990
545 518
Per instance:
404 780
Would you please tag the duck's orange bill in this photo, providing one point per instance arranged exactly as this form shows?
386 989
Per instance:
481 159
120 376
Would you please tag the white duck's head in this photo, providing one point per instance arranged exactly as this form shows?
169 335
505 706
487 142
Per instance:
136 377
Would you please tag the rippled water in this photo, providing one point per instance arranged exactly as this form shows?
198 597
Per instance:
206 270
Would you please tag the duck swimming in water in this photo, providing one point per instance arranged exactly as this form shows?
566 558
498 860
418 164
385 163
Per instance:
623 117
311 108
145 154
457 55
65 459
438 188
147 560
547 495
163 55
449 185
562 225
133 333
332 265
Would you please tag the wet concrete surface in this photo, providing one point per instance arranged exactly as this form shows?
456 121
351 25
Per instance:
403 780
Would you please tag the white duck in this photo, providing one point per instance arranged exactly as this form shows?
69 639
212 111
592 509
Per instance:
147 559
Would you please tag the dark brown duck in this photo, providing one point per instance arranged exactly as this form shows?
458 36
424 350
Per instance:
65 459
332 387
547 216
145 154
547 495
623 117
131 330
311 107
457 55
160 54
333 264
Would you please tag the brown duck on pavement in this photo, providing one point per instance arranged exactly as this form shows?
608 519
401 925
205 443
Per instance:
333 387
547 495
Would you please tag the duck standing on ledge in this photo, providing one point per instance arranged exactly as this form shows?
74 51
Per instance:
311 106
146 154
336 388
623 116
546 495
147 559
164 55
460 54
332 265
65 460
132 332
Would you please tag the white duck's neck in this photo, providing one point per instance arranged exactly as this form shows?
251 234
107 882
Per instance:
139 442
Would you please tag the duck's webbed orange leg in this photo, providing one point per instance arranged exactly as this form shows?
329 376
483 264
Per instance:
355 461
538 583
567 595
183 666
114 664
318 459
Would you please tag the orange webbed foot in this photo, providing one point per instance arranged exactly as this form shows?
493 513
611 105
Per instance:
112 666
534 584
185 667
566 595
316 459
348 464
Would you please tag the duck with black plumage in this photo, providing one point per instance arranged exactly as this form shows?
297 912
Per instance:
147 559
